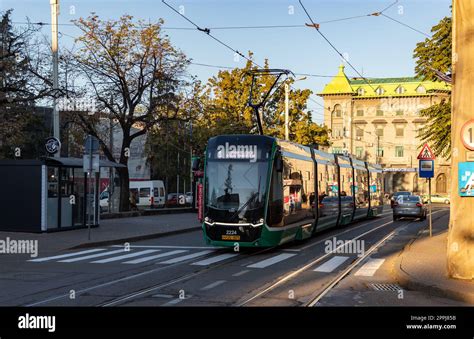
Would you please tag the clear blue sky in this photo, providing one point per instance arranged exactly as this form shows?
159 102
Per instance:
376 46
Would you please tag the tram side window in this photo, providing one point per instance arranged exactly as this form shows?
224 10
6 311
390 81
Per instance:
347 181
275 200
327 181
328 191
298 189
360 188
376 196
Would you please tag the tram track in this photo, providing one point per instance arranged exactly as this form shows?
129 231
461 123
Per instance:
144 291
175 280
290 276
314 301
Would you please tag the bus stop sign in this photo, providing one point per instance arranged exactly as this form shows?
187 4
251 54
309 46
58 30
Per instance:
91 144
426 169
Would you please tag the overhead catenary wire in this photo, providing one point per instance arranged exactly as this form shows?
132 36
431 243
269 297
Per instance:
406 25
316 27
243 27
207 31
296 73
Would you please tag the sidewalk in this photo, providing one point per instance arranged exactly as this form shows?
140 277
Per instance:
112 231
422 266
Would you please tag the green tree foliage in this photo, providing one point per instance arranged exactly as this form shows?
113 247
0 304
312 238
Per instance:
169 148
225 110
135 76
435 54
437 132
21 83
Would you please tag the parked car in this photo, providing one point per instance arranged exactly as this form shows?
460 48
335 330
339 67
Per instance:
437 198
104 201
409 206
189 198
176 199
398 194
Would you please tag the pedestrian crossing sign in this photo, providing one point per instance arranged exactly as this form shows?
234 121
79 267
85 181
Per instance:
466 179
426 153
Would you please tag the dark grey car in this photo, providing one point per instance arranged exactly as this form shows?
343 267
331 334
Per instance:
409 206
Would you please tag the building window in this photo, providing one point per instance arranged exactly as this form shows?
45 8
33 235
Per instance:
337 111
379 132
360 91
337 150
359 132
337 132
359 152
399 151
399 112
420 89
400 90
380 91
360 112
380 152
399 132
379 112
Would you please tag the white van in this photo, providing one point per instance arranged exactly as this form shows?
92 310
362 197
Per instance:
148 194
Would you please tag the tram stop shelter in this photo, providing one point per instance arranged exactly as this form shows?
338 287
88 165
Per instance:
48 195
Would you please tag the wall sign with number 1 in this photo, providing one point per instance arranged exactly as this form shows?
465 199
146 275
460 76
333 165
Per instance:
467 135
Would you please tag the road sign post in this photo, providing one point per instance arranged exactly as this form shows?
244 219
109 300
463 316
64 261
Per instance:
426 170
90 167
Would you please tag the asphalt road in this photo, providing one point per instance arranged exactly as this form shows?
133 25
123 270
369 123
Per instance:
180 270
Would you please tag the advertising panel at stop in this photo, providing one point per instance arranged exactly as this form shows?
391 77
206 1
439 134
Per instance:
466 179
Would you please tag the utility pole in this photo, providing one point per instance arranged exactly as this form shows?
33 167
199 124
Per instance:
460 245
287 104
177 178
111 169
54 47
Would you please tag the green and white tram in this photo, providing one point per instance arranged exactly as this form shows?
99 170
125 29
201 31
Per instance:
259 191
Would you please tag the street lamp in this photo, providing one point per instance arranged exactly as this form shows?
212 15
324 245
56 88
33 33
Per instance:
287 104
54 47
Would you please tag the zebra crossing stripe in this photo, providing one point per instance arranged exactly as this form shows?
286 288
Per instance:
67 255
215 259
153 257
125 256
272 260
370 267
185 257
331 264
103 254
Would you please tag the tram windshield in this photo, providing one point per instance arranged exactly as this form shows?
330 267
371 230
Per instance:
236 183
237 188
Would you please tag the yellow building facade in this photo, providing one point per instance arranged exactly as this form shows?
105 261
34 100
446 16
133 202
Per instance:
378 120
